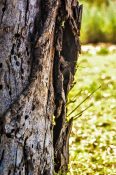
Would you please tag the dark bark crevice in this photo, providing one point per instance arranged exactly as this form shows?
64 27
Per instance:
3 9
1 157
26 11
67 48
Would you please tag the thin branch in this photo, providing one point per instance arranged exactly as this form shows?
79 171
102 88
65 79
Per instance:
80 113
83 101
71 101
78 65
73 85
74 98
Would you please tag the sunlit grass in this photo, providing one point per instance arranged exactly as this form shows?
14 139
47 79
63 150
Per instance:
93 138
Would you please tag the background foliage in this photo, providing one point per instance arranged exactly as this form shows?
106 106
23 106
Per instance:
93 137
99 21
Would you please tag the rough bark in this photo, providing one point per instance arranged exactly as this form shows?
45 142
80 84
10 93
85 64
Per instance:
39 44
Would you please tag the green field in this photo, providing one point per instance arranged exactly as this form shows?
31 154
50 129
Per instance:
93 137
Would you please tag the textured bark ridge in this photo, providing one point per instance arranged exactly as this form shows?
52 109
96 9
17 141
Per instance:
68 25
39 44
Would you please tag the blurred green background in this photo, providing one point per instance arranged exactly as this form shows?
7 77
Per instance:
93 137
99 21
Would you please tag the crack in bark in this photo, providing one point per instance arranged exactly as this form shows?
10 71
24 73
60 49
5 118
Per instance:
9 85
3 10
2 157
26 11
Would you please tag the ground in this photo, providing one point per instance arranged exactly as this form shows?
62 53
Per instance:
93 138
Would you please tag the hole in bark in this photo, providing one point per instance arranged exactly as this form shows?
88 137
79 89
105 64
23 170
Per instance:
8 135
12 130
18 43
9 172
8 86
10 93
19 55
28 62
22 70
23 124
32 145
21 77
12 50
20 108
3 9
27 51
17 35
17 63
0 65
15 58
1 86
26 117
33 107
18 117
1 128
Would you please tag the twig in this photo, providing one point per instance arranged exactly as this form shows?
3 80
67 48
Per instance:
73 98
83 101
80 113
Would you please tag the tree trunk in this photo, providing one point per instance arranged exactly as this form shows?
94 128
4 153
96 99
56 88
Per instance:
39 44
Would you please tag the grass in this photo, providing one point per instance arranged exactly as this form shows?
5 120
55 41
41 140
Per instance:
93 138
99 22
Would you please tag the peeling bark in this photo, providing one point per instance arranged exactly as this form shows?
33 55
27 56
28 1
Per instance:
39 45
